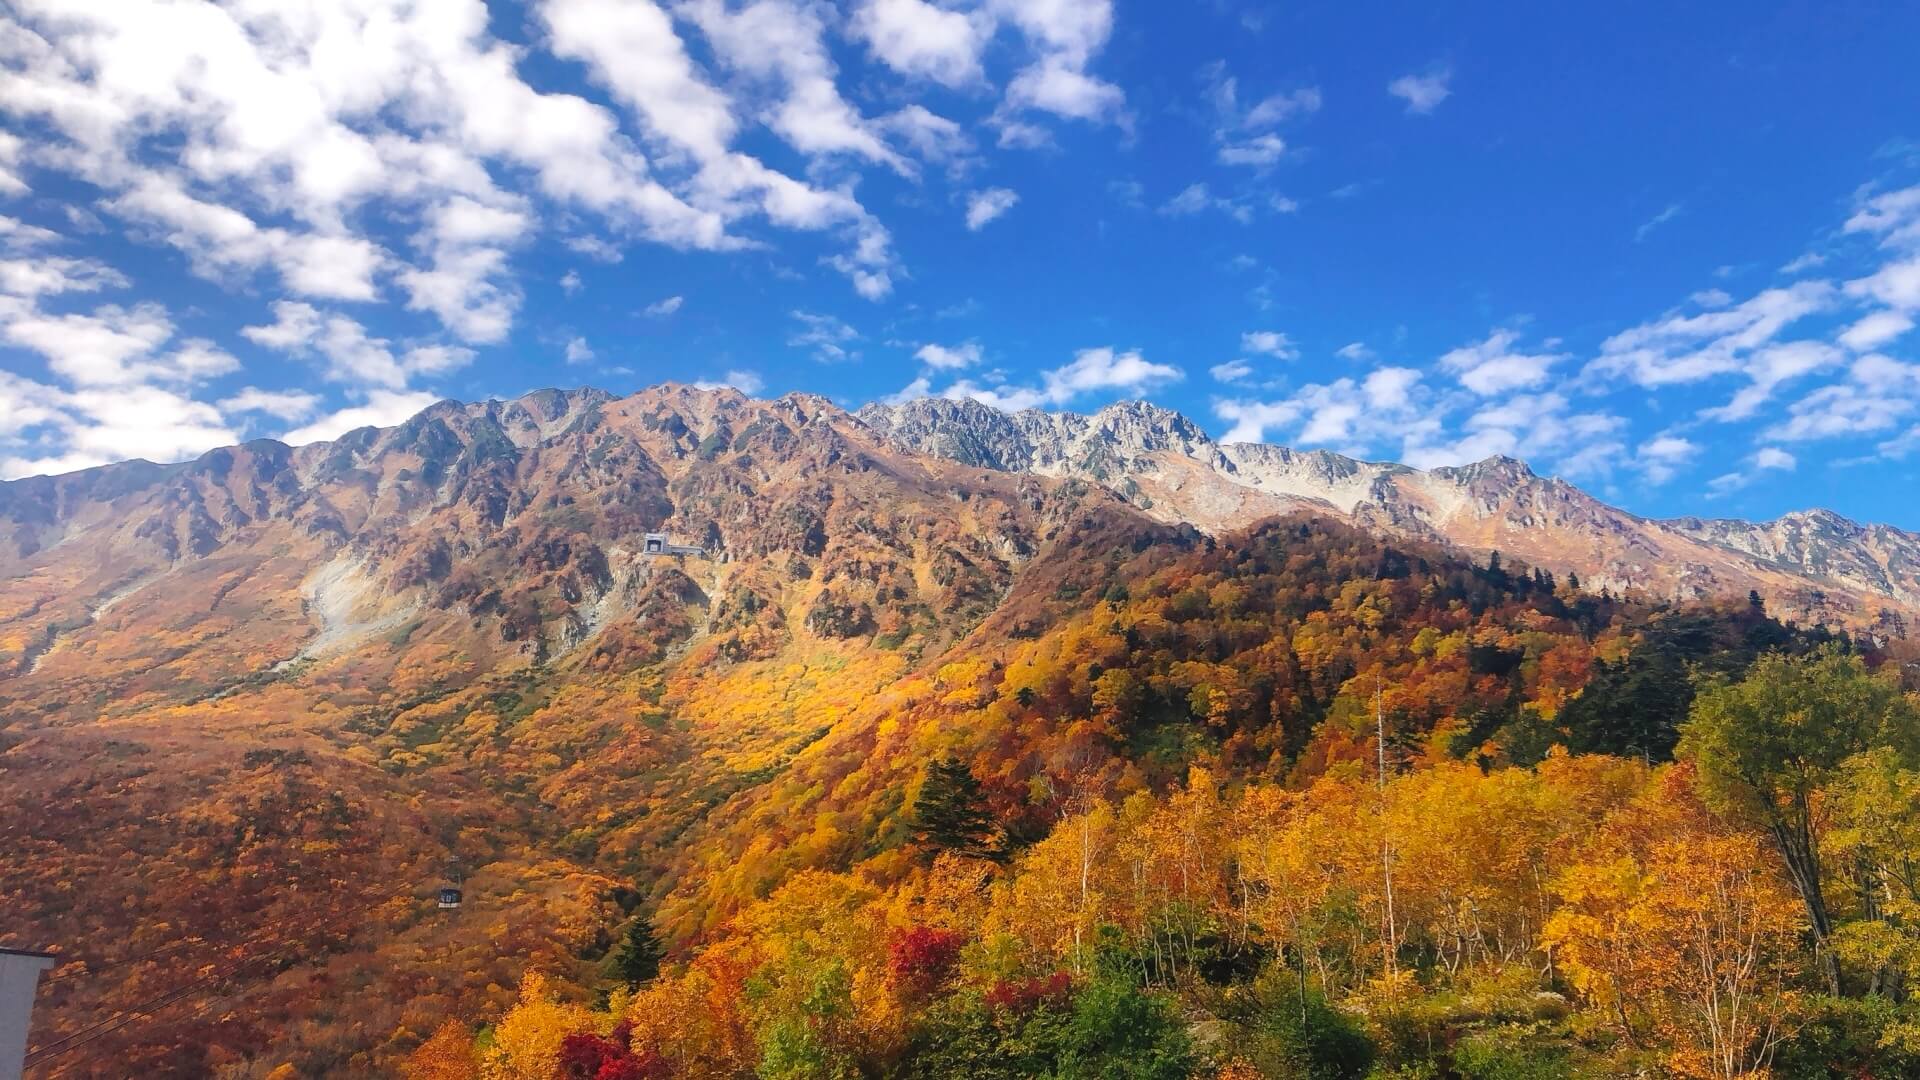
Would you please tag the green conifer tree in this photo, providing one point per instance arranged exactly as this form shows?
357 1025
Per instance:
951 813
636 959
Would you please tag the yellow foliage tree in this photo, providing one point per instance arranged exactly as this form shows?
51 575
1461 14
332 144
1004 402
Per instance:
1686 933
526 1042
446 1055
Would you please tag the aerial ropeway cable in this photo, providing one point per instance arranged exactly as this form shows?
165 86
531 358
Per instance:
146 1008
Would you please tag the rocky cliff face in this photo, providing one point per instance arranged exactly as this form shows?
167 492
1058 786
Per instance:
1815 565
501 529
505 529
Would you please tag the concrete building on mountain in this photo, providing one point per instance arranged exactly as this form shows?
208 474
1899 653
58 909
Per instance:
19 982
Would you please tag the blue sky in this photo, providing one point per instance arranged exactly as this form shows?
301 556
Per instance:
1671 252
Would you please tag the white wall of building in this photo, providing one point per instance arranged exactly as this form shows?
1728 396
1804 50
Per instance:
19 982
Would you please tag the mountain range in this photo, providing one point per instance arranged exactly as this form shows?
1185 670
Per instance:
252 703
365 530
1813 563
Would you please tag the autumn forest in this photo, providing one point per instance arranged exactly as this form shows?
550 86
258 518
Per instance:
920 771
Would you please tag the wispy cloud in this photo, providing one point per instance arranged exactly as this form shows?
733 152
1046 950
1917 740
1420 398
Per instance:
1667 213
986 206
1423 92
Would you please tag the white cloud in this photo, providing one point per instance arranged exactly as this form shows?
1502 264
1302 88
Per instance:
1769 368
942 358
747 382
782 42
382 408
1092 371
1681 348
1346 413
1198 198
461 290
913 391
1671 211
47 275
933 137
1896 285
1055 86
436 359
1667 450
1893 216
1493 366
1877 394
1800 264
985 206
632 48
26 405
113 346
391 152
295 326
17 235
595 248
660 309
578 351
825 336
1355 351
1104 369
1766 459
1876 330
1259 151
253 141
1246 137
220 240
1280 107
352 356
10 182
286 405
570 282
1191 200
1067 34
1270 343
1232 371
916 38
1423 93
115 423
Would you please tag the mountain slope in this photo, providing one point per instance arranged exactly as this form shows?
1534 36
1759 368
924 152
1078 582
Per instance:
1815 566
264 703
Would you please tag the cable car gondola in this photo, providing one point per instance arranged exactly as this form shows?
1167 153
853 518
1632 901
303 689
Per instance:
449 899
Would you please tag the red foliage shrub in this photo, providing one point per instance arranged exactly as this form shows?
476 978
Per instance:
922 959
1026 995
586 1056
645 1066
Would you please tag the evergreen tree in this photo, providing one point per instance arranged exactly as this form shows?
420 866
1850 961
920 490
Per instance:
636 959
951 813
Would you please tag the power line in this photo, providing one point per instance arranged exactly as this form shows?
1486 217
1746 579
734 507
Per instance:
73 1041
144 1009
93 969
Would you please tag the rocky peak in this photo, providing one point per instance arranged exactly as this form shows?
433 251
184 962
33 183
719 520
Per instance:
696 455
1144 426
1499 469
962 430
